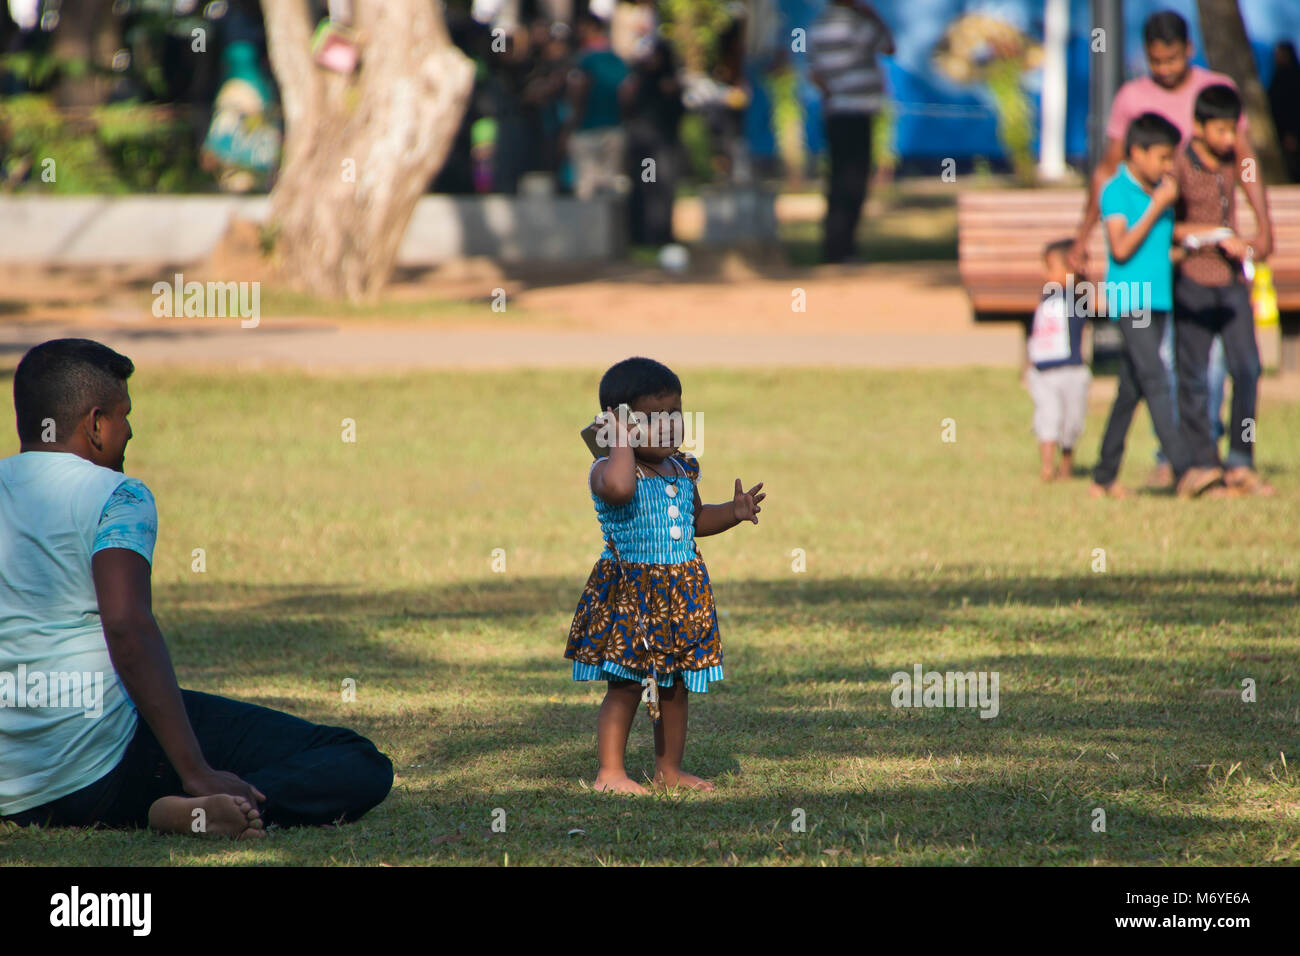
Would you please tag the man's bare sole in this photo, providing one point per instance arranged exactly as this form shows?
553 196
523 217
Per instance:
223 815
681 778
617 783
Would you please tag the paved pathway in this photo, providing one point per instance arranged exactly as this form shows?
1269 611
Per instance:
874 316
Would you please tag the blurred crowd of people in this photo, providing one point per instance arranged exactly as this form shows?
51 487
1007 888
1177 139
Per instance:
593 108
596 108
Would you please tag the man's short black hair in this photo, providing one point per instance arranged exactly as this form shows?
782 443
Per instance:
1219 101
1151 129
635 378
63 379
1164 26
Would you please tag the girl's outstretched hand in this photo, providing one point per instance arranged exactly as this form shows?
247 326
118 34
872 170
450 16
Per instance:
746 502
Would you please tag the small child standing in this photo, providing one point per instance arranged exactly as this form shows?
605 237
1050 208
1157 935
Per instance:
1055 372
1137 209
646 621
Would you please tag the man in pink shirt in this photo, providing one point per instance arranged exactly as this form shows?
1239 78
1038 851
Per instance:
1171 91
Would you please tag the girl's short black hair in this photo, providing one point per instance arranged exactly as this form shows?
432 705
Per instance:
1219 101
635 378
1150 129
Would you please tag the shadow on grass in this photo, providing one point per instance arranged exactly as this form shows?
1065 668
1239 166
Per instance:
466 687
1168 688
1188 598
913 824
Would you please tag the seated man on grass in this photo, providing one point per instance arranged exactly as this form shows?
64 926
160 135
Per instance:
93 726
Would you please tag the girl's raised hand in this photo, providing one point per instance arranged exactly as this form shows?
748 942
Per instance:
746 502
620 428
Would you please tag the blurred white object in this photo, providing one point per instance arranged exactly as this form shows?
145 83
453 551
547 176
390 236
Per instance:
674 258
632 30
1056 35
485 11
540 185
25 13
602 9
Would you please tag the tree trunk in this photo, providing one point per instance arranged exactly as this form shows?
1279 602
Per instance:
87 35
359 150
1228 51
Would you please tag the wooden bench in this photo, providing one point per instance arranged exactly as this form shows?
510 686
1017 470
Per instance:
1001 234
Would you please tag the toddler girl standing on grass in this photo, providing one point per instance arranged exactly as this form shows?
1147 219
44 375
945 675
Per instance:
646 621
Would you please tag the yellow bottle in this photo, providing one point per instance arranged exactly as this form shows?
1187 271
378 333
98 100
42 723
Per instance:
1263 297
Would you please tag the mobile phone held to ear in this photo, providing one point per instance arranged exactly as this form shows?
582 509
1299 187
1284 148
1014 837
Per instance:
590 433
589 436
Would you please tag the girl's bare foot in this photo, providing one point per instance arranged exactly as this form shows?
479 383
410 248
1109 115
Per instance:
680 778
617 783
223 815
1047 473
1113 490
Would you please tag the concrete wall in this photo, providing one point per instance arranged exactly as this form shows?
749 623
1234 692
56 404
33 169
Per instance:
97 230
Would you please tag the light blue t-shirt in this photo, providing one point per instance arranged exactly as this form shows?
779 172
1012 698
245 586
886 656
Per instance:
1146 279
65 720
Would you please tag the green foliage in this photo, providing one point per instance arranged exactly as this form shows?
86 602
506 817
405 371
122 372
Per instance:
33 68
884 144
34 131
1015 123
694 25
698 147
120 148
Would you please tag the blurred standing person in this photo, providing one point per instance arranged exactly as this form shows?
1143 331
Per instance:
844 44
516 149
544 93
1284 103
242 145
726 113
652 98
765 56
594 134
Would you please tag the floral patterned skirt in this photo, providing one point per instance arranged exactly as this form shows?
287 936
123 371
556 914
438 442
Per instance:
673 606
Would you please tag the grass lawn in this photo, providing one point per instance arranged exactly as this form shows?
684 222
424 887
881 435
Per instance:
1120 690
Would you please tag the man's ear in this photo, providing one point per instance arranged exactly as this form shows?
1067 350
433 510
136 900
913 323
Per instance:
93 426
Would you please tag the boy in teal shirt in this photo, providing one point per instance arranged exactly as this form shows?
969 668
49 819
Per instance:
1137 208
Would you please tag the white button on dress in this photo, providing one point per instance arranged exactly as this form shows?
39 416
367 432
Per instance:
673 512
675 532
671 490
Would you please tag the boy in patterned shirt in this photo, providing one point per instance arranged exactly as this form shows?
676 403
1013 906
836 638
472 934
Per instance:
1212 289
